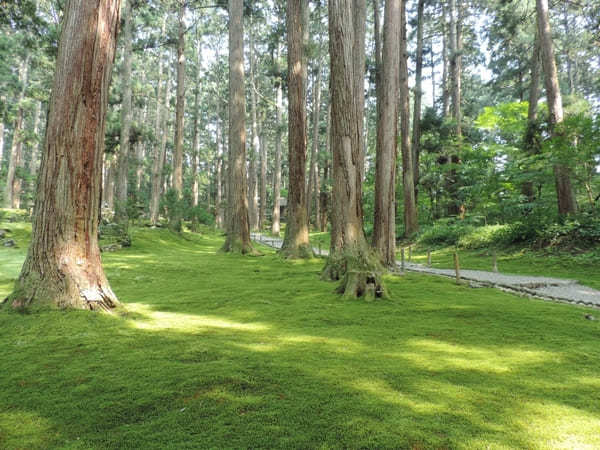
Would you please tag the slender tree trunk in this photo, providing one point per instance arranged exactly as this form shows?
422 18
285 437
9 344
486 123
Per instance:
567 203
140 154
384 224
1 143
416 130
121 186
432 63
359 18
34 164
238 228
263 182
411 224
296 243
350 258
108 191
255 151
196 139
180 108
378 58
445 62
220 219
531 140
457 75
275 229
160 153
63 264
313 177
324 194
12 194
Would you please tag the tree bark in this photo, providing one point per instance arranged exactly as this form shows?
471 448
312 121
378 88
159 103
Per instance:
255 151
180 108
411 224
34 164
567 203
160 153
313 177
275 228
531 140
220 216
350 258
416 130
384 224
12 193
445 63
196 139
263 182
359 17
238 227
296 242
121 186
63 264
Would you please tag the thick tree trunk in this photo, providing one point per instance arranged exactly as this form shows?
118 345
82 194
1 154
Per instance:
238 228
121 186
313 177
63 264
384 225
567 203
416 130
12 193
180 107
350 258
296 242
276 227
411 224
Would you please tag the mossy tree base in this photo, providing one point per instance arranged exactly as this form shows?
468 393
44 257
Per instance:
72 289
299 252
239 246
361 275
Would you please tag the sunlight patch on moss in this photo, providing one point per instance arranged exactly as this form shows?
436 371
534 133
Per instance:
160 320
385 392
435 355
554 425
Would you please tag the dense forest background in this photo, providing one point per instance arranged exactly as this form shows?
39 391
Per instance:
483 146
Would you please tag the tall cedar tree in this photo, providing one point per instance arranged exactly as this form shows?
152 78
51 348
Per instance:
350 258
565 194
238 227
63 264
384 225
295 242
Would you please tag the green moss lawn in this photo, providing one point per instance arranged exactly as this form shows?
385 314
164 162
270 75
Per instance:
221 351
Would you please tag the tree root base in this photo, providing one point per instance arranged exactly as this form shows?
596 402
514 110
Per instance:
300 252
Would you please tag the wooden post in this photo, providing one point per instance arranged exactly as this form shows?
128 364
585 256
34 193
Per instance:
494 262
409 253
428 258
319 248
402 259
457 267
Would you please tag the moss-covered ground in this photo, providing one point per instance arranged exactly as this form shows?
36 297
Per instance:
219 351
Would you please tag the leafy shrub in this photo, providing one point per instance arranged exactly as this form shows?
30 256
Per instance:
444 233
485 236
580 231
202 216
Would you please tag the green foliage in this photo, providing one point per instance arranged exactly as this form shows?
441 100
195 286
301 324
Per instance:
201 215
201 357
174 210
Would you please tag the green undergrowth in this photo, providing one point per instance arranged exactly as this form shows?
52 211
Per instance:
213 350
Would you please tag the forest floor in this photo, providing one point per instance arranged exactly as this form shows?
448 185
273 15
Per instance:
217 350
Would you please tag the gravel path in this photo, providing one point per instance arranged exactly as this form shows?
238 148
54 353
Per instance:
540 287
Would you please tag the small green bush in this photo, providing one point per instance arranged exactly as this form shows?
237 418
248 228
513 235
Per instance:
485 236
